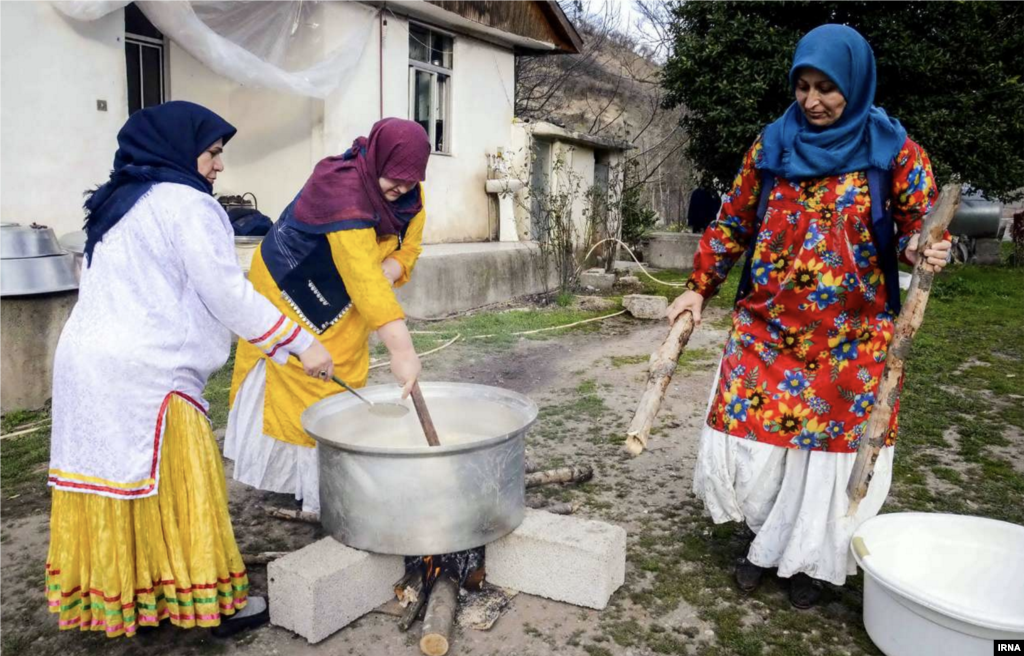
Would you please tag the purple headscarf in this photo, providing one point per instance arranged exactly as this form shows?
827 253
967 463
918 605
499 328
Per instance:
346 188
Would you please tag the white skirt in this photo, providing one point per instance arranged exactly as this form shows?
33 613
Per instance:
262 461
794 500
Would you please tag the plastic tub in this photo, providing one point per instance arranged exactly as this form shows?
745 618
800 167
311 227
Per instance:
939 584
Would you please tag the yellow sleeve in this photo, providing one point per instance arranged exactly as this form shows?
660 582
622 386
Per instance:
412 247
356 257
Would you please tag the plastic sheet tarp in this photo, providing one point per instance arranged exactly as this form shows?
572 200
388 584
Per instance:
275 45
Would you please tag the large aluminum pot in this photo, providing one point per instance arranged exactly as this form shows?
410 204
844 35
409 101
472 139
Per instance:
383 489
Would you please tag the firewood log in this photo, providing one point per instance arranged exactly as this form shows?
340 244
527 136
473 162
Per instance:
575 474
417 598
659 375
292 515
906 326
554 508
440 617
263 558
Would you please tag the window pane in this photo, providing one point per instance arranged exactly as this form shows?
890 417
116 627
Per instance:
441 114
419 43
131 57
441 52
152 77
421 103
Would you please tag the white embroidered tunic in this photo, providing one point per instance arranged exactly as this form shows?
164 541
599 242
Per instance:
155 313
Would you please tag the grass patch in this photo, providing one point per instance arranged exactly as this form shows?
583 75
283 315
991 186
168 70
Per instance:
694 359
22 457
15 419
217 392
626 360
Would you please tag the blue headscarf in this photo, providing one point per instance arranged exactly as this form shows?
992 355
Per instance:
864 136
156 144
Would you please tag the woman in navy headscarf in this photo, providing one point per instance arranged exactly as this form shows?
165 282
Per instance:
827 199
139 526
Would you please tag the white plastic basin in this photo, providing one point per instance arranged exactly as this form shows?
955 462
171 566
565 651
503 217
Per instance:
939 584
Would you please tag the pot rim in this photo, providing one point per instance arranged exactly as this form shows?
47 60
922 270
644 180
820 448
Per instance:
390 393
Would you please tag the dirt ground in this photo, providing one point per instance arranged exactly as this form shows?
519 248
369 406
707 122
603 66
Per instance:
678 597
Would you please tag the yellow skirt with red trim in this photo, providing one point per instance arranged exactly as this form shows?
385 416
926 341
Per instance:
117 564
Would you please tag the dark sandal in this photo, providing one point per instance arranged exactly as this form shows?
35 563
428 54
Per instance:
242 620
748 575
804 591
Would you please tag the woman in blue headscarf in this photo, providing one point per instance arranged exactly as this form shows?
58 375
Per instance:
826 201
139 525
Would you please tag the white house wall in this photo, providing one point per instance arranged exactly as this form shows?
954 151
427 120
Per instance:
55 143
277 142
482 92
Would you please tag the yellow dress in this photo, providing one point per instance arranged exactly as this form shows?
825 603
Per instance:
358 255
181 562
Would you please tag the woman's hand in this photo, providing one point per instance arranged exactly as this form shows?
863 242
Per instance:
936 257
392 270
317 361
690 300
405 364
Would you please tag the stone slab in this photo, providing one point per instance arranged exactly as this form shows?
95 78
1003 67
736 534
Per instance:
597 279
571 559
645 306
326 586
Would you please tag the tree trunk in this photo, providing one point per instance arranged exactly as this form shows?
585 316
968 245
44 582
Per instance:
906 326
663 365
575 474
439 618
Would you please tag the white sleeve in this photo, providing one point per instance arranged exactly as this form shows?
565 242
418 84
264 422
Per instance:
202 237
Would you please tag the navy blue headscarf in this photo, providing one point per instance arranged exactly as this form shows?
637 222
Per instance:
157 144
864 136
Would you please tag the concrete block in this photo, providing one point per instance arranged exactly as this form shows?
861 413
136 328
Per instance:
29 330
598 279
987 252
672 250
325 586
578 561
644 306
629 283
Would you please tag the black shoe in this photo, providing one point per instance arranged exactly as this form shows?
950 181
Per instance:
748 575
256 613
804 592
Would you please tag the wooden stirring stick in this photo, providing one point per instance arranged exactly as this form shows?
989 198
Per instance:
421 411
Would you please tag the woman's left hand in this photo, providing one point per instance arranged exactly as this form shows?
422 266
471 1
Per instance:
936 257
392 270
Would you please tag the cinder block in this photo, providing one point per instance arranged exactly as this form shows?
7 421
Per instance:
597 279
325 586
645 306
578 561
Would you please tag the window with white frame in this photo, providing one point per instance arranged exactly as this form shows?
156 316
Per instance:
144 60
430 83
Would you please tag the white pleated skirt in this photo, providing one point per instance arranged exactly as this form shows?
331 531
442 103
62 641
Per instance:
262 461
794 500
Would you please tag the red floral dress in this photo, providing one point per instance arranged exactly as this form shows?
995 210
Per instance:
808 344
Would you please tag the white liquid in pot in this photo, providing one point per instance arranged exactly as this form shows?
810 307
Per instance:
457 421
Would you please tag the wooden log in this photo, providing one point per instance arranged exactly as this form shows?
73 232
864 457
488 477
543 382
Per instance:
574 474
292 515
554 508
909 321
424 414
263 557
415 597
659 375
440 617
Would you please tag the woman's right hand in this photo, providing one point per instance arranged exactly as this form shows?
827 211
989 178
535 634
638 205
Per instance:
405 365
317 361
689 300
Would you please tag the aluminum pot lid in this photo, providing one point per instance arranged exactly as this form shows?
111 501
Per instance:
18 241
28 276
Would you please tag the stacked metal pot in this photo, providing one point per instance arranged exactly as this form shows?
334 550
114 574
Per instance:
38 285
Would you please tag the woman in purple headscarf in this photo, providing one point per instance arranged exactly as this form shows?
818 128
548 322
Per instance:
331 263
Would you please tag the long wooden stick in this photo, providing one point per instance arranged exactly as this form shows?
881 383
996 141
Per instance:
292 515
909 321
574 474
424 414
663 365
